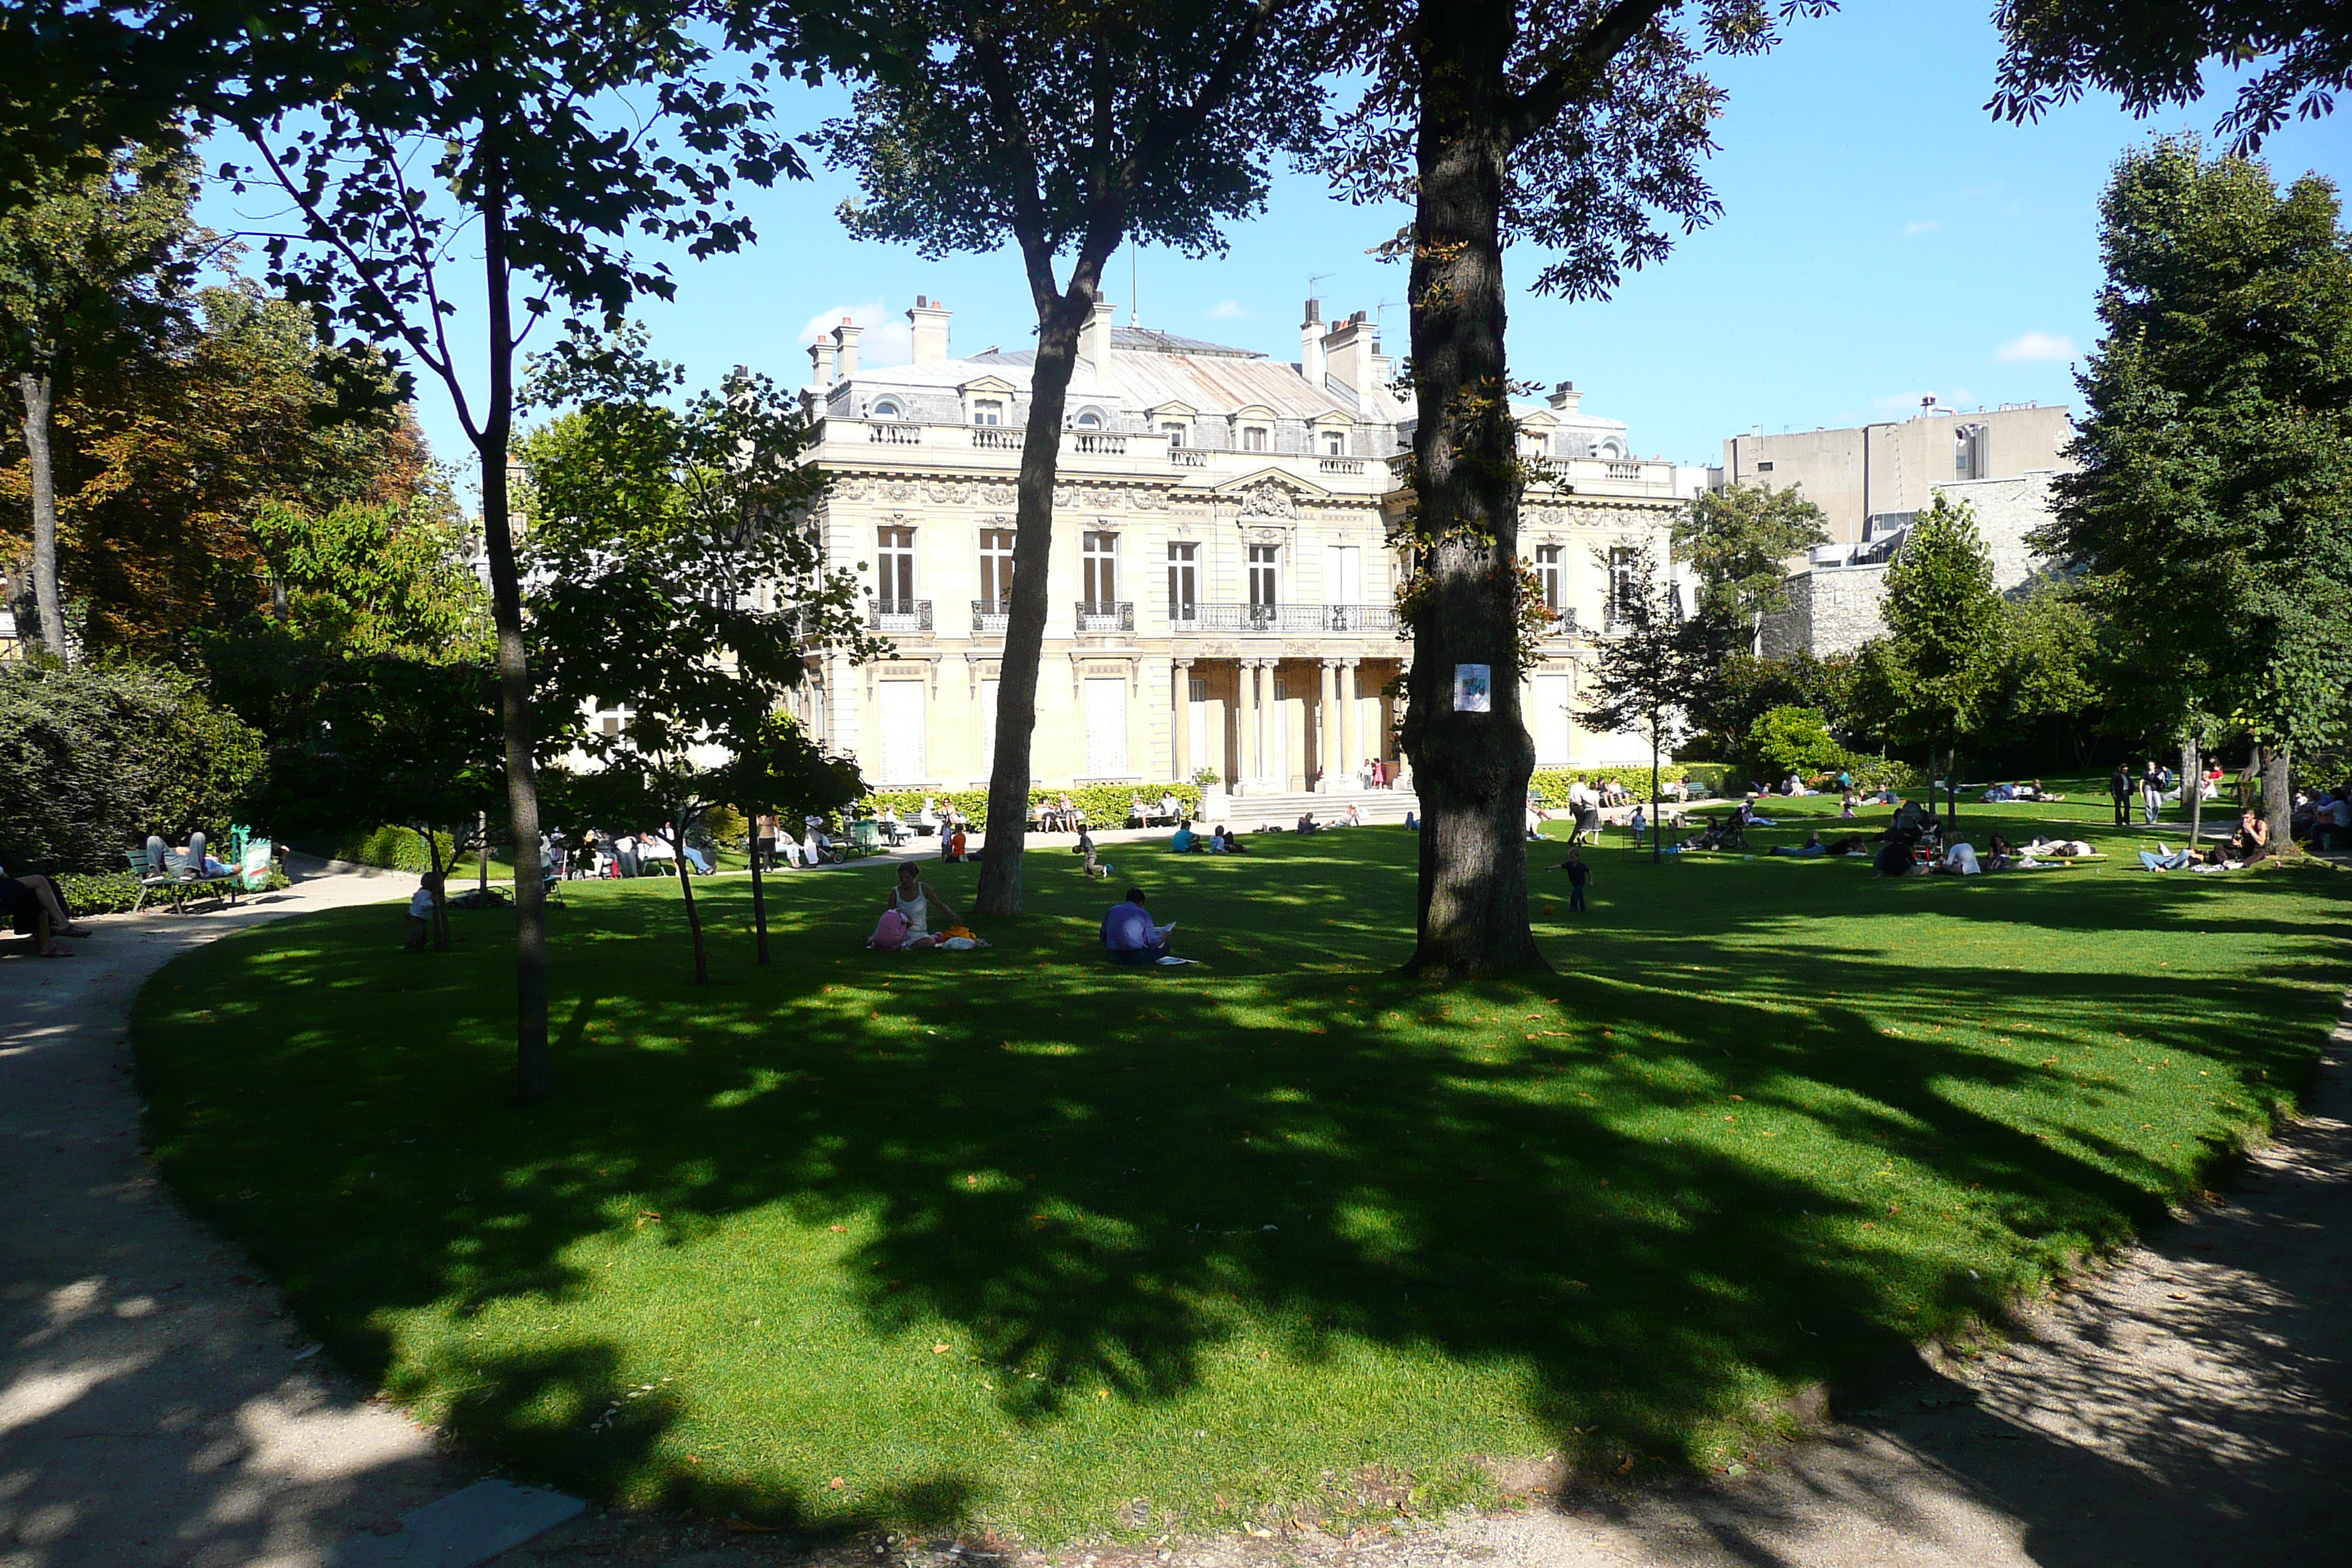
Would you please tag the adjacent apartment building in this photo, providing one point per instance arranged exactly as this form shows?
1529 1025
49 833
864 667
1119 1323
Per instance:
1224 561
1872 480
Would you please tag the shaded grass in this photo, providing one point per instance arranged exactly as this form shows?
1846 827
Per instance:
1012 1238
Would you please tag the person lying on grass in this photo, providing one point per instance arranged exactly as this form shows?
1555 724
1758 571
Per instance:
906 910
1130 937
1811 847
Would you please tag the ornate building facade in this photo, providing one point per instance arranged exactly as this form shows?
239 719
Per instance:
1223 573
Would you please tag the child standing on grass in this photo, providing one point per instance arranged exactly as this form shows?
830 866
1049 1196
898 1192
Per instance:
420 912
1579 873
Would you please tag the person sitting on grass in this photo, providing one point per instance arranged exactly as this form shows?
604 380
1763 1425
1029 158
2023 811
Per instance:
2253 840
1307 823
2000 854
1226 842
1186 841
35 903
1130 937
419 925
906 910
1809 848
1846 806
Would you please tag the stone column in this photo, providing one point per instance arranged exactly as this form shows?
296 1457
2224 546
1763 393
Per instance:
1351 755
1327 729
1180 739
1245 720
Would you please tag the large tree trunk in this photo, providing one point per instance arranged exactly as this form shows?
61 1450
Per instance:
2278 798
40 402
514 675
1024 622
1470 769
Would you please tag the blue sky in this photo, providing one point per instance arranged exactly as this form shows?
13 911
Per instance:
1882 239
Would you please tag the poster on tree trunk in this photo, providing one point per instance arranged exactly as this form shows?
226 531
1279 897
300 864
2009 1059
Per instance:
1474 688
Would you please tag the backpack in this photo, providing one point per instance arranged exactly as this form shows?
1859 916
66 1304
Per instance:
889 932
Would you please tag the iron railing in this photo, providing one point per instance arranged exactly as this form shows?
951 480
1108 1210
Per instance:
1560 622
897 615
990 616
1107 616
1292 618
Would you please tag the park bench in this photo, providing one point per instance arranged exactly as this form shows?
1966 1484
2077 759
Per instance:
176 882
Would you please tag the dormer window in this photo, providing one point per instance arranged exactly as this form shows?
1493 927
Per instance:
887 408
1334 444
1175 434
1254 437
988 411
1091 419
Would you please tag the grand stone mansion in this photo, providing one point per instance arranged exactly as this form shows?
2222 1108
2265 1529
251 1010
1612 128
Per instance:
1222 568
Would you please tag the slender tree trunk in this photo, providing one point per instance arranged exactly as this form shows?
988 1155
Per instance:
759 889
531 1071
482 858
1025 623
1657 832
40 401
440 890
2192 787
693 915
2278 797
1471 769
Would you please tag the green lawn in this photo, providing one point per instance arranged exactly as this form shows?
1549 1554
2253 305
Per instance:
1012 1239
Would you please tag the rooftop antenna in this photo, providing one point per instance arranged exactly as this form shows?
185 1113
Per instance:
1380 312
1319 277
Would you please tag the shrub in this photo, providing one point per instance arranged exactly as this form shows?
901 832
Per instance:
99 756
1104 804
117 892
395 849
1790 740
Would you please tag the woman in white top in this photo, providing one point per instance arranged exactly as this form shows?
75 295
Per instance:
914 900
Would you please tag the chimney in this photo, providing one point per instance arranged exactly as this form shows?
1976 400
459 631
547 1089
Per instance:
821 361
1565 397
1094 339
1311 361
845 335
1349 349
929 320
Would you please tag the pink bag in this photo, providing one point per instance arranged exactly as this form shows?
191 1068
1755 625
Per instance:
889 932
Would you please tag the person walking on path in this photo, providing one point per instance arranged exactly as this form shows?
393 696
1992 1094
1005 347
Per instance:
2151 792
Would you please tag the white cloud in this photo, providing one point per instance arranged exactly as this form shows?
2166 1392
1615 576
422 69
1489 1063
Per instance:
1921 226
2037 346
1229 310
888 338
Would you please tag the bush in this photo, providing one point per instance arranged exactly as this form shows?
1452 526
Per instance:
1791 740
117 892
99 756
1104 804
395 849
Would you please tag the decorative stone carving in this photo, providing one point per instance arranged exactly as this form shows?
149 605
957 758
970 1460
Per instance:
1266 498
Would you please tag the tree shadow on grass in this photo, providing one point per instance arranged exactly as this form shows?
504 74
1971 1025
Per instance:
1665 1186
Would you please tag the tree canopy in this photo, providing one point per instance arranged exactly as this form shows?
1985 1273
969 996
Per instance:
1741 539
2212 512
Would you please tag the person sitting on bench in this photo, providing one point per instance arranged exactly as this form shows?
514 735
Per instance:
1130 937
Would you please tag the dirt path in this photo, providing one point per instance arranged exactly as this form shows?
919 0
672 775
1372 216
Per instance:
154 1408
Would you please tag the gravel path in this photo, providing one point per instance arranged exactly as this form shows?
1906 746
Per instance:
153 1407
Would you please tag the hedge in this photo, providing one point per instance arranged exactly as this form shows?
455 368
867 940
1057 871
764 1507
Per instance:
1551 784
395 849
1104 804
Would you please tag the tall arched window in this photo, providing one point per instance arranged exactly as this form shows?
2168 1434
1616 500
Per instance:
887 408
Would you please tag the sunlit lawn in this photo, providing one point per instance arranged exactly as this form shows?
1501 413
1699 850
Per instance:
1012 1238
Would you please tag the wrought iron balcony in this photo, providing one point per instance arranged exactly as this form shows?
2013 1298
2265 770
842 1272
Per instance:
990 616
897 615
1560 623
1107 616
1295 619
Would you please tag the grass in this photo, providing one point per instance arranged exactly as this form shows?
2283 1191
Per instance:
1010 1239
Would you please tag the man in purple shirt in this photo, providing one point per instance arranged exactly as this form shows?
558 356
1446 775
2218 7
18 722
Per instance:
1129 935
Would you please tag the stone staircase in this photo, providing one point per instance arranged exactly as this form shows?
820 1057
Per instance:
1245 812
